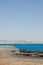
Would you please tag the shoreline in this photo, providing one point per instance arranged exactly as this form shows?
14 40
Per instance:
7 57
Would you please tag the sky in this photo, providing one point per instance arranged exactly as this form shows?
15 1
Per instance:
21 18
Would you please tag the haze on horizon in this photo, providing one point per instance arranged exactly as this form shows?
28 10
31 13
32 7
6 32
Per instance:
21 18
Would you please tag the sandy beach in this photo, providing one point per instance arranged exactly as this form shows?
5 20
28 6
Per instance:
16 60
7 57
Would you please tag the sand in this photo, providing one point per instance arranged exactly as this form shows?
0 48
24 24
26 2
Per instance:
8 60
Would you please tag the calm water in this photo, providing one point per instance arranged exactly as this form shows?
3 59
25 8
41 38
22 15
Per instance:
34 47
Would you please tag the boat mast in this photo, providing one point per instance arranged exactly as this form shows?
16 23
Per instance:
24 43
24 40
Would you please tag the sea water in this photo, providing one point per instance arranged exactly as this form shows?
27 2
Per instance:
33 47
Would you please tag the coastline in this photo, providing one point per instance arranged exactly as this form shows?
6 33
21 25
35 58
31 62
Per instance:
7 57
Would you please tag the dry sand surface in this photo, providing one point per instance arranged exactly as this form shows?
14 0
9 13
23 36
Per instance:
7 60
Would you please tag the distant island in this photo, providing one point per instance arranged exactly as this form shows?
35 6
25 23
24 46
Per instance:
12 41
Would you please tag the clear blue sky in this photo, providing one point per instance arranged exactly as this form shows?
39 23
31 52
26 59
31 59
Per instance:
19 18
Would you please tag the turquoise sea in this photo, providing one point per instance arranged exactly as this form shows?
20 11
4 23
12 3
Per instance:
33 47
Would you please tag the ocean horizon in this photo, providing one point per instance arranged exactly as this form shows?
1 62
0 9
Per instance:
31 47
